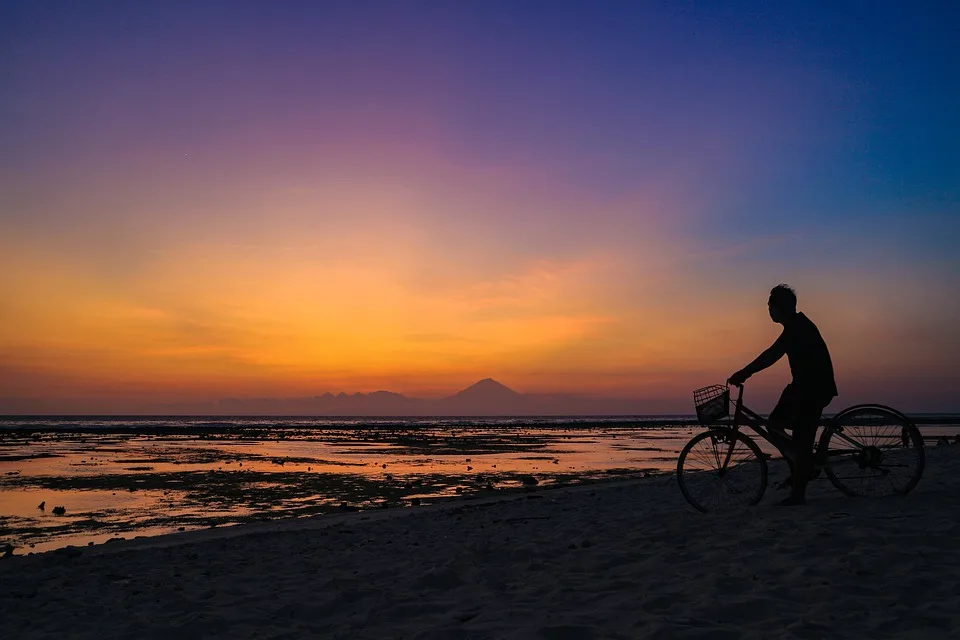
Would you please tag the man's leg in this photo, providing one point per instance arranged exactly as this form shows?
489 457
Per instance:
784 444
804 431
782 418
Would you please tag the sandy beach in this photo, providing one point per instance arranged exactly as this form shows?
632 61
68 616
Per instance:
622 559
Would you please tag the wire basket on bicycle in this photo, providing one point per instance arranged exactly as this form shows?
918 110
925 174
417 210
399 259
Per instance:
712 403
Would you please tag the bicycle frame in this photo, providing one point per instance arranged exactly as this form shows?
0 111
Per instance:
744 416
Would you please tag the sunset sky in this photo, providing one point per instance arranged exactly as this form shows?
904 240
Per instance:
201 200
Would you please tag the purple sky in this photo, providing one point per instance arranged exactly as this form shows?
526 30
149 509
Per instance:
206 199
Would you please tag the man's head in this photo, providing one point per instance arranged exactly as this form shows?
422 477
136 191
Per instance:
782 303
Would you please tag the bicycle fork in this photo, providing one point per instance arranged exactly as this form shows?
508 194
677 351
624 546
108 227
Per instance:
730 447
737 416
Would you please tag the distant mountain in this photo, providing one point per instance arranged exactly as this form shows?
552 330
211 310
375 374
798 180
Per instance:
378 403
484 398
487 397
487 389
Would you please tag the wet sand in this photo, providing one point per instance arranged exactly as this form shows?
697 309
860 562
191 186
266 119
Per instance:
124 483
626 559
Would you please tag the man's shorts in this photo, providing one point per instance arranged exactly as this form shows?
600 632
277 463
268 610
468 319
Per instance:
797 409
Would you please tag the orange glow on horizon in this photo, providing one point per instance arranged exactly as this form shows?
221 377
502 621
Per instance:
363 288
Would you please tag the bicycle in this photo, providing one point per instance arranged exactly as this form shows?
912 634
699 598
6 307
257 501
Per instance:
865 450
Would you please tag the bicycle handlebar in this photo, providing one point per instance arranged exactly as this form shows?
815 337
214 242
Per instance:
739 390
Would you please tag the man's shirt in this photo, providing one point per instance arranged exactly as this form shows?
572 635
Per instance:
809 358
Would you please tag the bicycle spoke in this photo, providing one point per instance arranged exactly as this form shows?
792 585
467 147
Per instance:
719 470
888 458
705 458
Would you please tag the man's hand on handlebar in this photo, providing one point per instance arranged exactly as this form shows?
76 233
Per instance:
738 378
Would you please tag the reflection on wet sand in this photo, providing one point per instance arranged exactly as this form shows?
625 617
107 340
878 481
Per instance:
130 483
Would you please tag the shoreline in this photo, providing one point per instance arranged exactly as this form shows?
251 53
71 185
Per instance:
123 485
327 520
335 515
191 483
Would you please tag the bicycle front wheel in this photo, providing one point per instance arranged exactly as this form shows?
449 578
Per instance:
722 469
872 450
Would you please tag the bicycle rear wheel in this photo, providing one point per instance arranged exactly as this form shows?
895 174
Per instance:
872 450
721 468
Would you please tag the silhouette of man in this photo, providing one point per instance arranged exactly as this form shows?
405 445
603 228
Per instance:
804 399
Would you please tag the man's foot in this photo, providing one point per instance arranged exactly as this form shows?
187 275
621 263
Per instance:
788 483
791 501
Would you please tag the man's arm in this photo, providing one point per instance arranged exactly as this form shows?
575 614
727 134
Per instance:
766 359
